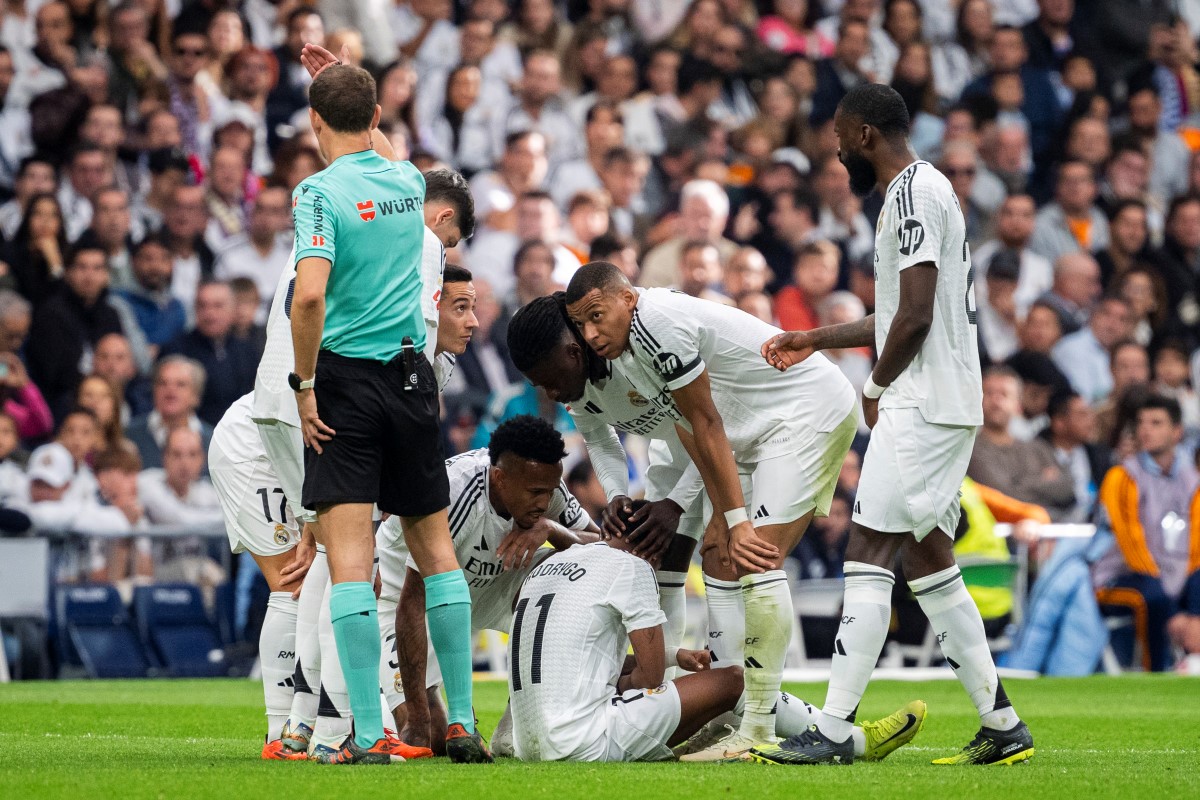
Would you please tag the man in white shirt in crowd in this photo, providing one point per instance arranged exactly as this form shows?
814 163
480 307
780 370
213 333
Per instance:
261 253
1014 227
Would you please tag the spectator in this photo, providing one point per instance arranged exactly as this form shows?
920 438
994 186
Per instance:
88 171
425 33
522 169
960 164
184 222
1129 239
746 273
46 65
815 275
1169 155
225 197
229 362
247 306
1147 504
603 130
996 307
167 169
111 230
1041 380
793 226
533 267
703 213
1072 433
757 305
1075 290
14 483
1010 158
587 220
178 494
113 361
126 559
37 255
1143 289
491 254
178 385
855 363
290 94
1072 223
1055 35
35 176
23 403
1179 260
1026 471
195 103
839 73
1172 378
1084 357
583 484
617 250
461 131
840 217
537 24
735 106
261 253
1042 328
1129 365
100 398
133 62
1126 177
790 29
67 326
700 271
252 74
617 82
623 176
536 105
159 314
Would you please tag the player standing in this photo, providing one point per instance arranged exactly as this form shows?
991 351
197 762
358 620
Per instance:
767 451
924 404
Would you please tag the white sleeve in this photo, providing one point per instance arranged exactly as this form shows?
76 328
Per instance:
634 594
668 345
565 509
443 368
688 487
922 207
433 264
606 454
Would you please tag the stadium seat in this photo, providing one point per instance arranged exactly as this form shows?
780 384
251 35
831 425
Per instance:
171 620
1124 611
224 611
95 632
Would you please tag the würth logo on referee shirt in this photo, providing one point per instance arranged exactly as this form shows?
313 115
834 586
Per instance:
366 210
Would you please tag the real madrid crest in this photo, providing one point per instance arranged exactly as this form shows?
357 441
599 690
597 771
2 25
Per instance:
282 536
637 399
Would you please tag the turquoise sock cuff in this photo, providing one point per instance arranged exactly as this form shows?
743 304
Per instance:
445 589
348 599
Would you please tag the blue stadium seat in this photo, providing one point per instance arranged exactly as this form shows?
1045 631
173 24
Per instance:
224 612
172 621
95 632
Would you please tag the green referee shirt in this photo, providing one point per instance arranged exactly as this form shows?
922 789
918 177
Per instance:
364 214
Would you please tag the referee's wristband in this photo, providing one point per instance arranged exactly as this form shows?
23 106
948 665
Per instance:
736 516
871 389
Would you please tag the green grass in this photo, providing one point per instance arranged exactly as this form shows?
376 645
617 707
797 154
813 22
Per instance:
1100 737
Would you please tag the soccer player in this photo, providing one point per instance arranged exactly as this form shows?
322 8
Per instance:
549 351
923 402
766 449
574 696
507 500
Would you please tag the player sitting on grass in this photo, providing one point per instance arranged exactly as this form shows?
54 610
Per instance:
507 500
767 451
548 350
575 696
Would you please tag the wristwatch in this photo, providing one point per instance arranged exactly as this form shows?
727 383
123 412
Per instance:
299 385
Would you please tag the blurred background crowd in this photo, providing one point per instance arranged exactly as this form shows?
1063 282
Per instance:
148 150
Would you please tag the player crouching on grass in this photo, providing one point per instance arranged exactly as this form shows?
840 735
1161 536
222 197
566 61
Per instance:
507 500
576 697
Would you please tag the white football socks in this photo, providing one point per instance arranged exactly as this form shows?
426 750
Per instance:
768 630
307 677
277 657
793 716
866 611
955 619
726 622
673 601
333 707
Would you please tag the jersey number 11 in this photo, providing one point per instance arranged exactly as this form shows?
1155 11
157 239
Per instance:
539 632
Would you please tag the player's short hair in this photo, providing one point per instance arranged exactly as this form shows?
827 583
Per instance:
879 106
344 97
456 274
450 187
541 325
594 275
1167 404
530 438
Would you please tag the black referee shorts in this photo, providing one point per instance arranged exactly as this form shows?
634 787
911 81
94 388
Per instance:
387 446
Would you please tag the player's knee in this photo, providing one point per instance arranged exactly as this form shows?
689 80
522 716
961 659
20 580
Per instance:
732 684
870 547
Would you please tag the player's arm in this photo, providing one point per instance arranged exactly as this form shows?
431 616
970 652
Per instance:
918 287
308 323
648 649
791 347
654 525
713 456
411 651
564 524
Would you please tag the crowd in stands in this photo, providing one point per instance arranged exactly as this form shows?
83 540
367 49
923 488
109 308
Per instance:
148 150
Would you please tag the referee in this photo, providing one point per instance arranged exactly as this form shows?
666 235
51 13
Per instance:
368 402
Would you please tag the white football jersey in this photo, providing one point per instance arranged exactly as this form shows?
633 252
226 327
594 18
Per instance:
921 222
477 528
273 398
675 337
236 433
570 632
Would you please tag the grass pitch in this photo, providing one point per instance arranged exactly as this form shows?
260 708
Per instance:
1136 736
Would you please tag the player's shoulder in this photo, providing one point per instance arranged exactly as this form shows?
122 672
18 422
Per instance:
928 178
470 462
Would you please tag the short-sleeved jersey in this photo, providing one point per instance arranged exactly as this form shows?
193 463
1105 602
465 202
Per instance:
570 632
921 222
363 214
675 337
477 528
273 398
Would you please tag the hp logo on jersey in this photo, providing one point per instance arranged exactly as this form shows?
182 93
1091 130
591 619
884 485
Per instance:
911 235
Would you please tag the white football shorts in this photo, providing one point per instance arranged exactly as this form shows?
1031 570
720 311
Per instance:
912 474
258 518
640 723
284 445
661 477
